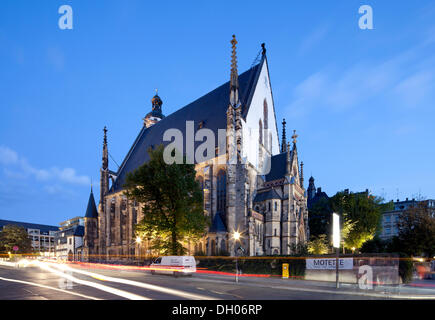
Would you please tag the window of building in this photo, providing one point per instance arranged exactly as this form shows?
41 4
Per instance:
260 126
124 203
221 192
274 232
276 206
265 114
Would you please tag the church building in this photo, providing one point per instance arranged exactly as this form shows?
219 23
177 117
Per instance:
252 184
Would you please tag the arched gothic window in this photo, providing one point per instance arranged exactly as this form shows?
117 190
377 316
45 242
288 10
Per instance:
221 192
213 247
200 181
265 115
223 245
260 129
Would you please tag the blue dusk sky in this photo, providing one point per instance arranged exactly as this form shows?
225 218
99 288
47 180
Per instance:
362 101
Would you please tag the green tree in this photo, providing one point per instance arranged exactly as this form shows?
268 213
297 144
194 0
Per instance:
364 211
417 230
13 235
172 203
318 245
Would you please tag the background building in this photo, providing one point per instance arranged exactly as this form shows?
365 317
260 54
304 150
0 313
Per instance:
69 239
390 219
42 236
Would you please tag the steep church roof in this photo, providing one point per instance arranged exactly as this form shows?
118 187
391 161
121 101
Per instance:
210 110
278 167
268 195
91 211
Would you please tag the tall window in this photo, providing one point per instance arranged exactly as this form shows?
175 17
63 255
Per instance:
200 180
265 115
266 124
221 192
260 129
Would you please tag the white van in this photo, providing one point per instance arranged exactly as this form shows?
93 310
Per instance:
176 265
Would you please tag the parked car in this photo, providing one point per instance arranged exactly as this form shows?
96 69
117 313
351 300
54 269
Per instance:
176 265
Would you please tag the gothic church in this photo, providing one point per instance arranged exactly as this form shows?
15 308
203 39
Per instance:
268 207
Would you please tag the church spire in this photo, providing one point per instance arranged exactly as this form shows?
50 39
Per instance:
284 137
105 151
234 81
104 171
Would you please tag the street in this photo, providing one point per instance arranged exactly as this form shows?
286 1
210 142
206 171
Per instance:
53 281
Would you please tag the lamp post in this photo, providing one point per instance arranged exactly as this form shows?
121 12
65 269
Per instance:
138 242
236 237
336 244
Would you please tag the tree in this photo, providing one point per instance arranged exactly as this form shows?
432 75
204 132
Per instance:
12 236
318 245
172 203
417 230
319 217
363 210
375 245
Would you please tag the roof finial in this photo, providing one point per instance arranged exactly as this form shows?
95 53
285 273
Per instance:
263 46
234 83
284 137
157 90
105 135
294 136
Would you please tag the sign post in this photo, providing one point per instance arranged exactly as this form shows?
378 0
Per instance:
336 243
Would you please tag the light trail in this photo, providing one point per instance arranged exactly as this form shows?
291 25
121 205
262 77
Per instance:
175 292
48 287
98 286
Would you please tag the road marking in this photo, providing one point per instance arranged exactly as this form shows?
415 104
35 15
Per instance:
367 294
175 292
48 287
118 292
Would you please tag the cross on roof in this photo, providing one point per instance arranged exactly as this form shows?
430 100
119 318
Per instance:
294 136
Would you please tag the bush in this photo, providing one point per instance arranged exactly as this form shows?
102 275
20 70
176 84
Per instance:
405 268
264 266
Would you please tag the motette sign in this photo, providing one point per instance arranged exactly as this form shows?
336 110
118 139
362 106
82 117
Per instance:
329 264
15 248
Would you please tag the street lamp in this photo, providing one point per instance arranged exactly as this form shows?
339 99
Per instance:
236 237
138 242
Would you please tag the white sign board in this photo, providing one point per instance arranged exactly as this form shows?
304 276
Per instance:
329 264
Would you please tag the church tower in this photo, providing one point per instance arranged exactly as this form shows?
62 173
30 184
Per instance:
311 191
91 229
